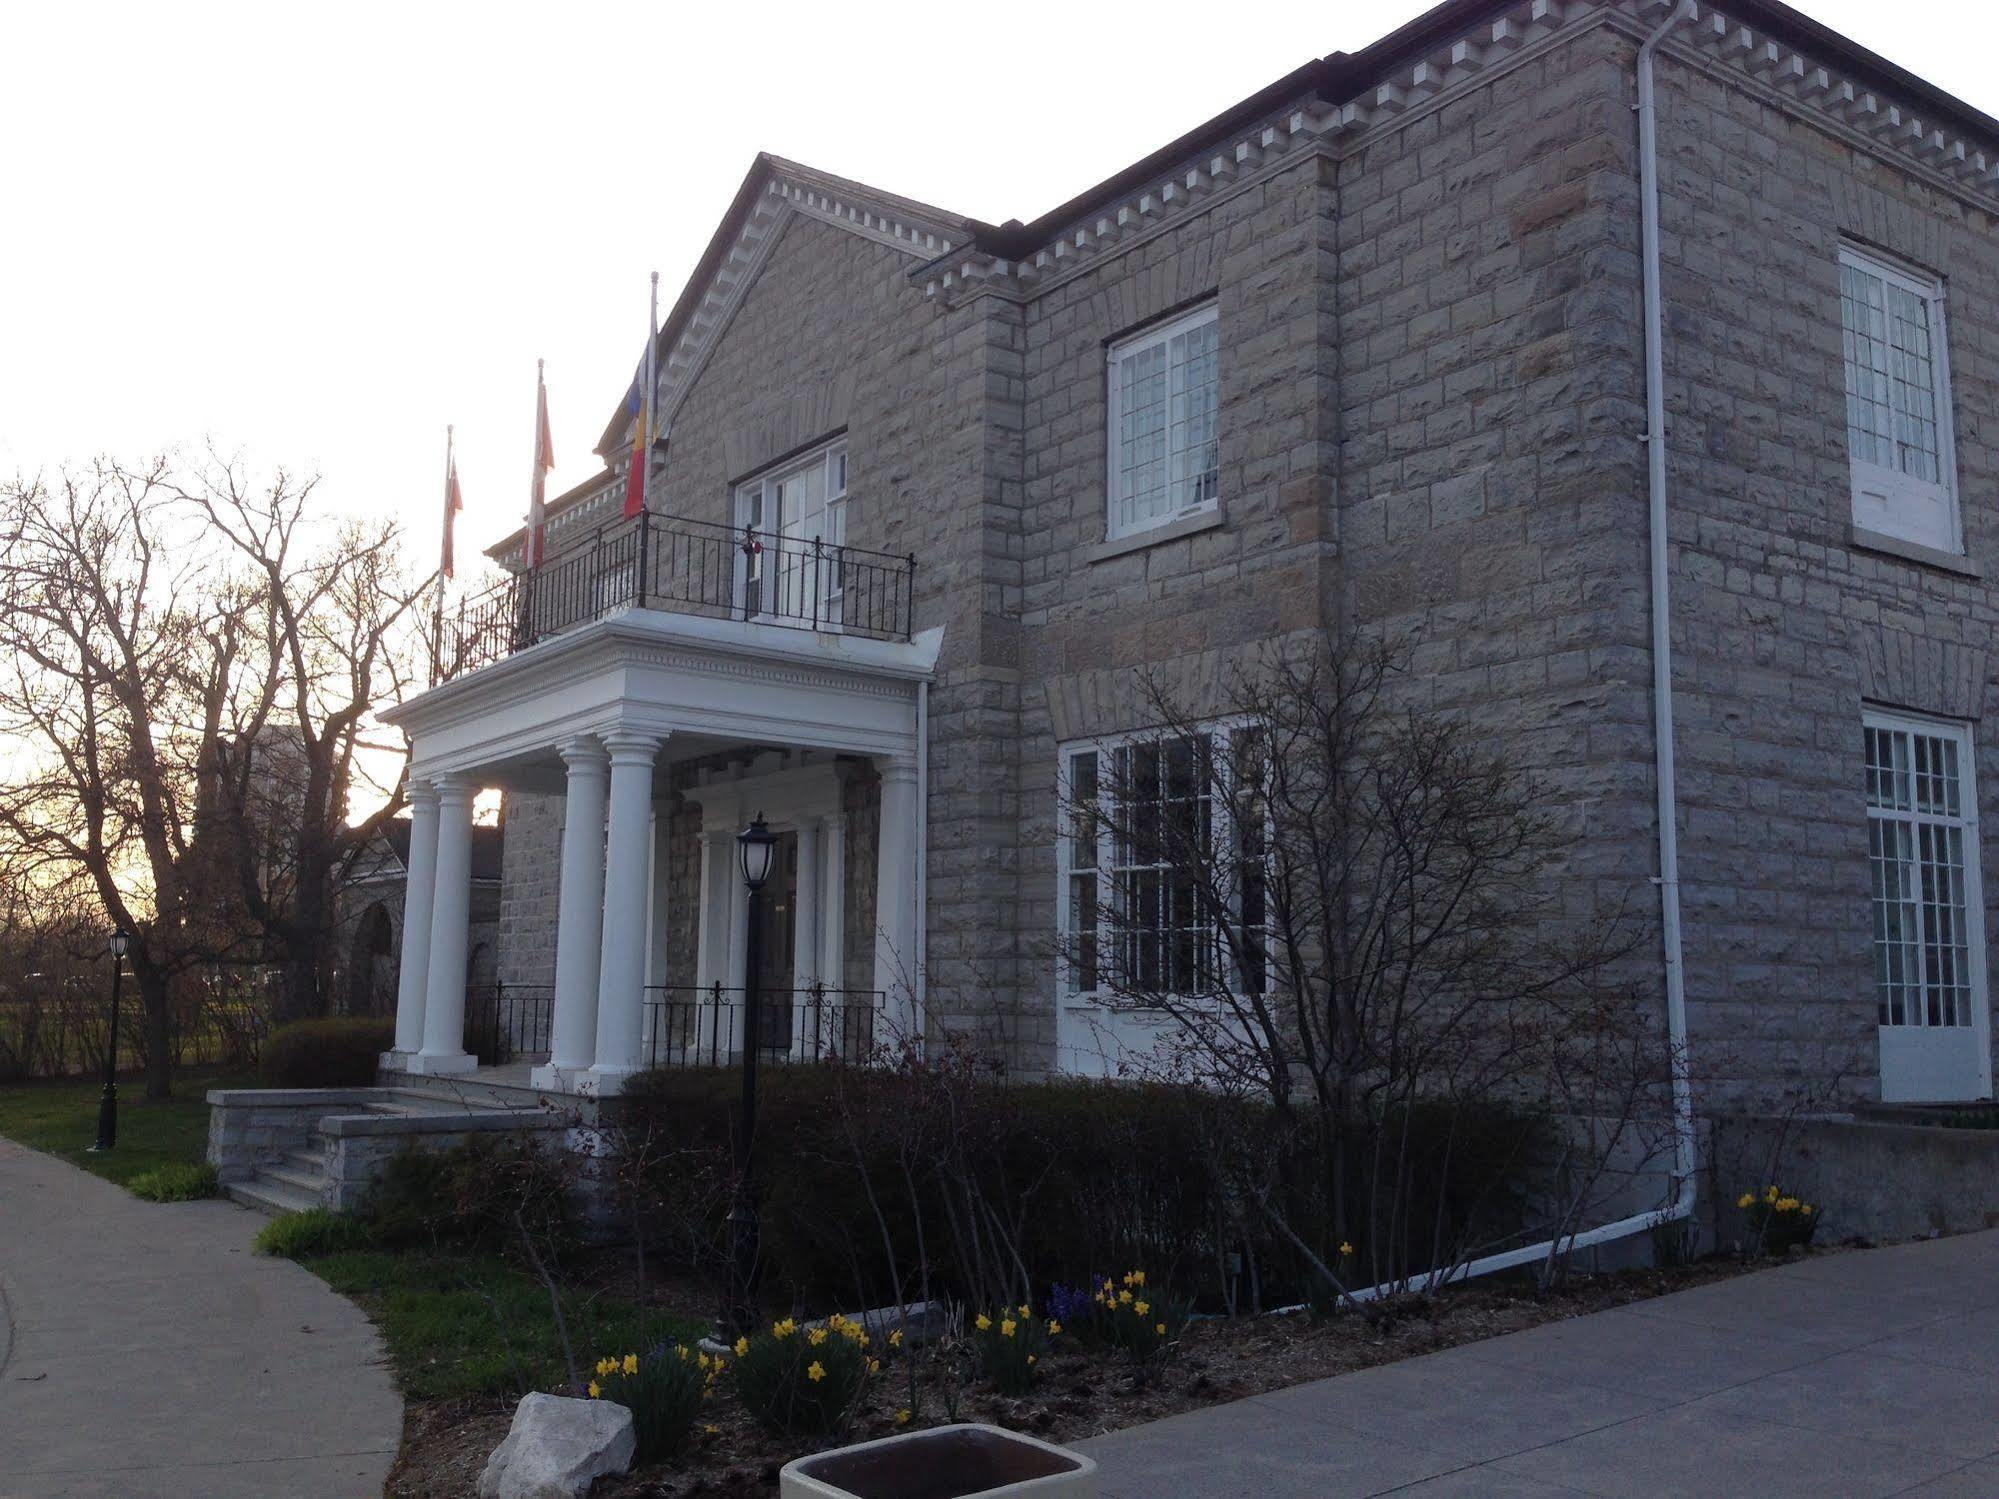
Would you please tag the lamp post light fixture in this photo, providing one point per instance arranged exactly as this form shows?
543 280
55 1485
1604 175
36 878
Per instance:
758 847
107 1107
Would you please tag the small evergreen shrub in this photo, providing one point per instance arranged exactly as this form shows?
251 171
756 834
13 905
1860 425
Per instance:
181 1181
802 1381
314 1232
1009 1345
663 1391
479 1194
334 1053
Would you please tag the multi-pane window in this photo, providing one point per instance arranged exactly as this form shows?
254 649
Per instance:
1165 456
1920 823
1897 401
1153 863
799 514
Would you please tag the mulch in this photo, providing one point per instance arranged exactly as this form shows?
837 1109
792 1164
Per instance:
1081 1393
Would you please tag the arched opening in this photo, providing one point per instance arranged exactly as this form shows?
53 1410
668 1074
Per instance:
371 975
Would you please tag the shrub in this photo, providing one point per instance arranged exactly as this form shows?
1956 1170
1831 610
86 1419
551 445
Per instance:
802 1381
1778 1222
337 1053
479 1194
662 1390
180 1181
1009 1344
313 1232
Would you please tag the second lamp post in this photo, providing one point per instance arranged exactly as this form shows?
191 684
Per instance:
758 845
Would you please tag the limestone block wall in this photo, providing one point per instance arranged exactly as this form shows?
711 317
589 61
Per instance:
530 883
1784 630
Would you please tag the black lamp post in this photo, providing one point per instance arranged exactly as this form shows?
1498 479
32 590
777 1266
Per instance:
107 1107
758 845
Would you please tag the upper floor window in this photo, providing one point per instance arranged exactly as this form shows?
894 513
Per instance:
798 511
1898 402
1164 454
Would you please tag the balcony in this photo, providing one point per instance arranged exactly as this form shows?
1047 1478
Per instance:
685 567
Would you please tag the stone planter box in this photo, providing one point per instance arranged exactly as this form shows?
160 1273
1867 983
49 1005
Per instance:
966 1461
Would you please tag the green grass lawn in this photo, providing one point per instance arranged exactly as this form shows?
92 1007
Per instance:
60 1117
461 1324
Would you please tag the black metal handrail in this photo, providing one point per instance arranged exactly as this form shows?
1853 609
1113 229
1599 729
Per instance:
504 1022
702 1027
683 566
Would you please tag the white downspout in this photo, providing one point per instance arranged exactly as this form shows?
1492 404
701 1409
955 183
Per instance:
1682 1205
920 980
1662 623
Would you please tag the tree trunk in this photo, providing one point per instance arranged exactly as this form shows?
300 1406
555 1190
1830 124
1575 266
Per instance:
155 1005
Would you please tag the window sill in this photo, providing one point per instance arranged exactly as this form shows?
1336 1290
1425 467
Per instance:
1172 530
1882 544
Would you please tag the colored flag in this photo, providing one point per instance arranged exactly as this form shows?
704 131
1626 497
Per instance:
544 460
638 405
453 503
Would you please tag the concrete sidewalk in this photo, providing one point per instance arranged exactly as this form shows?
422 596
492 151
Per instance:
146 1350
1859 1374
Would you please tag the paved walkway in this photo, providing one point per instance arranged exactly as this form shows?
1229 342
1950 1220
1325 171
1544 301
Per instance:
1859 1374
146 1351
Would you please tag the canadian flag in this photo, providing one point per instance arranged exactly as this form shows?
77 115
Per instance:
544 460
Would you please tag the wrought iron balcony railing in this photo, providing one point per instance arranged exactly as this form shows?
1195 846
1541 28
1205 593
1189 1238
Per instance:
686 567
687 1026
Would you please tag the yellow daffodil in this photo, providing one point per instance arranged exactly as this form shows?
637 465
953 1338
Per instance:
1747 1199
816 1336
1054 1329
1026 1311
1030 1361
902 1418
632 1361
874 1366
1124 1298
1159 1328
1141 1307
594 1390
1007 1327
895 1338
742 1347
1806 1209
816 1372
984 1324
711 1430
1346 1251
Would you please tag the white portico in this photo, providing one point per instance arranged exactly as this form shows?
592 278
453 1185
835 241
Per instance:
600 714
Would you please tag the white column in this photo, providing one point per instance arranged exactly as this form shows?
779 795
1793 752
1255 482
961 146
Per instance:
627 860
419 893
579 916
805 946
833 904
450 919
895 898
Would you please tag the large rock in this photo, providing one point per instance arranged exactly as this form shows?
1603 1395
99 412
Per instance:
557 1447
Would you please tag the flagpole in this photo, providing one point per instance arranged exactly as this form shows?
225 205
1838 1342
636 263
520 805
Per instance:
652 391
444 540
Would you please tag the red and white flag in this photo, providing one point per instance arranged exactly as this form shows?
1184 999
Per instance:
544 460
453 503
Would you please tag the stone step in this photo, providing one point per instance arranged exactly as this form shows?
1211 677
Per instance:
448 1098
311 1160
267 1196
311 1181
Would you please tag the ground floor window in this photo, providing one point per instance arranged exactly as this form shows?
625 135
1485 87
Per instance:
1161 866
1923 862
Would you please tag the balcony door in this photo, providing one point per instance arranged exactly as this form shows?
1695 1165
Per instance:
795 525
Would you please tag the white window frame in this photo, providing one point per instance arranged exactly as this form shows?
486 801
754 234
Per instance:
751 505
1222 832
1887 500
1120 350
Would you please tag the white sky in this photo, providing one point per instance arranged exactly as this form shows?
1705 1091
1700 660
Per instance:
318 235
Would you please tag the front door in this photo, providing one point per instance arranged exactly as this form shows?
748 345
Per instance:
1929 912
777 915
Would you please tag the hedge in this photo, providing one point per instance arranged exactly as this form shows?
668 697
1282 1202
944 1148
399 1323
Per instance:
1088 1178
339 1053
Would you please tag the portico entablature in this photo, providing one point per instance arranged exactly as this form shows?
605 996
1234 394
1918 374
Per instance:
691 679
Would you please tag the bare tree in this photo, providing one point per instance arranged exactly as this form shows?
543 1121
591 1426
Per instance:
1322 893
192 667
336 631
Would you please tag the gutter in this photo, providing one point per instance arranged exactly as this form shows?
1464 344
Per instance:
1668 878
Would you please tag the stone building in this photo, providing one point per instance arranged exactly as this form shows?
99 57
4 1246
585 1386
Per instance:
1369 350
